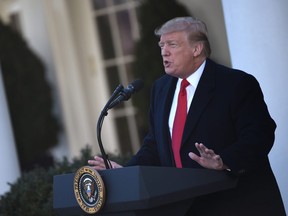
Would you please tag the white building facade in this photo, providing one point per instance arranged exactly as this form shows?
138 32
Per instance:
67 35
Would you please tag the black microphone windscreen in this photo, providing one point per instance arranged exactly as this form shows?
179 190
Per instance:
137 85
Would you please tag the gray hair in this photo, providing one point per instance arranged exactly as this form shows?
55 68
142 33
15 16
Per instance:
194 27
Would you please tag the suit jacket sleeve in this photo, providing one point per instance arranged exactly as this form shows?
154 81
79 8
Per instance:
254 128
148 153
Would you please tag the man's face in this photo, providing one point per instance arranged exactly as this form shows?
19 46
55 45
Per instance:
177 54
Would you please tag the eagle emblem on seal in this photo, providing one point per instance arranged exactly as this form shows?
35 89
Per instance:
89 190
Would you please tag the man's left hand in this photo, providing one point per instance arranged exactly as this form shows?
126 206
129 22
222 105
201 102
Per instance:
208 158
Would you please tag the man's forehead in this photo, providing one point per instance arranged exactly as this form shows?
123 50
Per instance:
172 36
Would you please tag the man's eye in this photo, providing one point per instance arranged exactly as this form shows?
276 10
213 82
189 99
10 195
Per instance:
173 45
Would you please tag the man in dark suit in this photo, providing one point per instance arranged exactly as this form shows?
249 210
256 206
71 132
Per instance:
226 125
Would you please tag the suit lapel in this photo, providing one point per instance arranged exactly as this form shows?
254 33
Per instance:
169 98
164 101
202 96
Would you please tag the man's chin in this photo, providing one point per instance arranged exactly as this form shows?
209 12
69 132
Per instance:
170 72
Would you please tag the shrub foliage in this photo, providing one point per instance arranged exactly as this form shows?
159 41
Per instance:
29 99
32 194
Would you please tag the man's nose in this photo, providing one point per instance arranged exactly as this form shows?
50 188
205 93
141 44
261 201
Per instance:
165 51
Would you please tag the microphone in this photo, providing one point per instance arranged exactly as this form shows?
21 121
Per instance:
114 95
120 94
126 93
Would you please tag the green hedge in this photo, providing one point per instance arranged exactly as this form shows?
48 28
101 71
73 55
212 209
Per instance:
30 101
32 194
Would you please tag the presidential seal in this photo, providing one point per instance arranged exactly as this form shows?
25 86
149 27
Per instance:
89 190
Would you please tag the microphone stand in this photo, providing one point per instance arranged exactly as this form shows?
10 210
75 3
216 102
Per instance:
100 123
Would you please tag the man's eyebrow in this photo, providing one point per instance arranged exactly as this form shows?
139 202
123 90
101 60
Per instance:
168 41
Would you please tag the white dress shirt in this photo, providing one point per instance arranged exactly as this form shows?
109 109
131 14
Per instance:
193 79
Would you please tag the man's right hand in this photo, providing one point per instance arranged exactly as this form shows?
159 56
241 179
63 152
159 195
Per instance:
98 163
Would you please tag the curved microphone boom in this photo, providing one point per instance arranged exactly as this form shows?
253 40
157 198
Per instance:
100 122
120 94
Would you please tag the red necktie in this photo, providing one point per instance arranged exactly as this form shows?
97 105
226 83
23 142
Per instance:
179 122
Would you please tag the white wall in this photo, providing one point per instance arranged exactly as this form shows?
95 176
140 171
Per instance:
50 27
258 39
9 166
210 11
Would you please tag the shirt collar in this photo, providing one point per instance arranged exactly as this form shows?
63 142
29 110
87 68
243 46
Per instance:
194 78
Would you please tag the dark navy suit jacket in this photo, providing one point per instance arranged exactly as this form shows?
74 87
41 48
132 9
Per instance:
228 114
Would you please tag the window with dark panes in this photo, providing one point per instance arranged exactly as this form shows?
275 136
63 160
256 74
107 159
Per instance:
105 37
117 25
125 32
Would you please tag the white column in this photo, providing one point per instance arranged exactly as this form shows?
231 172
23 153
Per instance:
74 91
257 35
9 166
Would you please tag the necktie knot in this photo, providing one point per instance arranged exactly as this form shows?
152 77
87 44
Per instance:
184 84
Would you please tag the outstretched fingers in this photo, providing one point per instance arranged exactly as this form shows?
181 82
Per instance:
208 158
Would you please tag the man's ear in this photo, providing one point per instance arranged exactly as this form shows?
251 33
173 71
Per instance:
197 49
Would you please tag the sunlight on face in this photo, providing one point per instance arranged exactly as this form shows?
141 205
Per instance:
177 54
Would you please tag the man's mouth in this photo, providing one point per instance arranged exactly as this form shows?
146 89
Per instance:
166 63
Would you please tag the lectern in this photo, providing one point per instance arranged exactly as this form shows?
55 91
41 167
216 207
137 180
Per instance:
143 190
